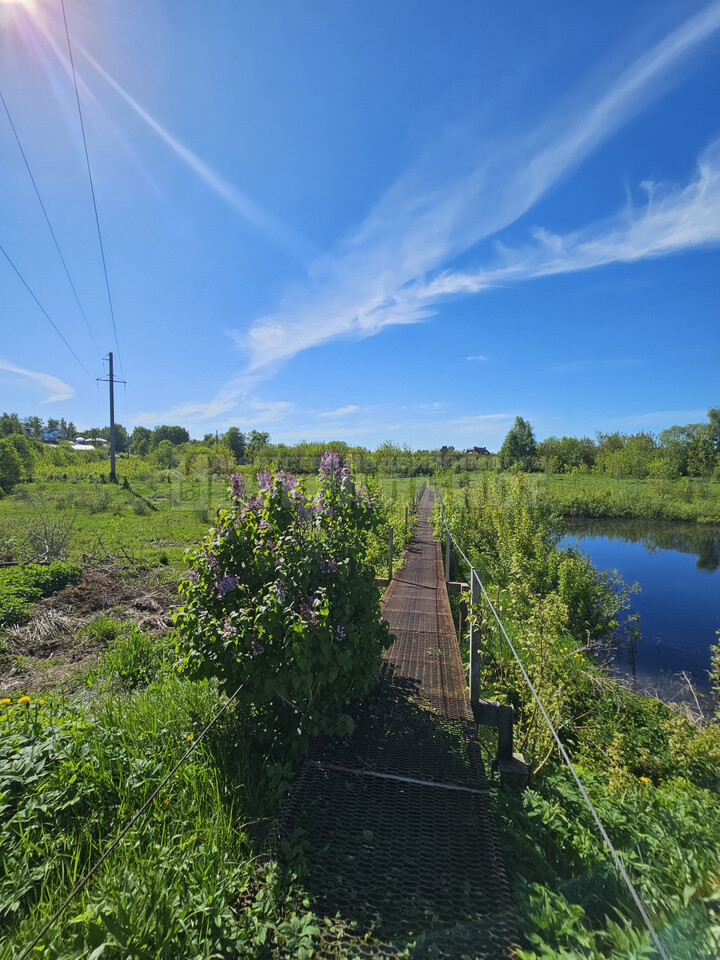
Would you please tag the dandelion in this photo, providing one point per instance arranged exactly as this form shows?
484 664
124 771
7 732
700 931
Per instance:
189 737
5 701
24 700
645 779
40 703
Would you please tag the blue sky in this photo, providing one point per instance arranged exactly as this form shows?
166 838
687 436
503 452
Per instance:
373 221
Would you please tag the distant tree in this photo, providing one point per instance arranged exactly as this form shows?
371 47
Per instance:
236 440
256 440
10 466
53 424
208 439
140 441
35 424
714 427
26 452
165 454
176 435
519 445
10 423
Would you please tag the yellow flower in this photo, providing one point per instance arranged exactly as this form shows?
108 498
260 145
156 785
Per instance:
5 701
189 737
24 700
40 702
645 780
165 804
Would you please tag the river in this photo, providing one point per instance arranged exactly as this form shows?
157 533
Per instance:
678 569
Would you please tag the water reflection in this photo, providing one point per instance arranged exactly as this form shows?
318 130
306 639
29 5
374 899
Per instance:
678 569
697 539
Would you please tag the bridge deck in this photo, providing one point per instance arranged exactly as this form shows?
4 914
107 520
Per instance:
401 840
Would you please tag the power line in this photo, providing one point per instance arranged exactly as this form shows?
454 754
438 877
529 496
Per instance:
47 220
42 308
92 185
88 876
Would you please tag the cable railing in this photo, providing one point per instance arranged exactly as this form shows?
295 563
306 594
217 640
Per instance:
476 585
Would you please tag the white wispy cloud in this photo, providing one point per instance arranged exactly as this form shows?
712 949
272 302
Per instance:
39 382
341 411
394 268
377 277
479 357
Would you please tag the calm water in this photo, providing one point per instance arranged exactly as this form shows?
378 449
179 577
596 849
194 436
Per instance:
678 569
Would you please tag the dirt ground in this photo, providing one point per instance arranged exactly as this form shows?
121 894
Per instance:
51 648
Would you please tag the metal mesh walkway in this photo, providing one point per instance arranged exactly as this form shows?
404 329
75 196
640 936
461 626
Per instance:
399 831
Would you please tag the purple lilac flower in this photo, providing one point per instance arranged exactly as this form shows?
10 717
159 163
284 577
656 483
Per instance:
193 576
226 583
237 485
331 464
328 566
264 479
281 590
256 648
340 632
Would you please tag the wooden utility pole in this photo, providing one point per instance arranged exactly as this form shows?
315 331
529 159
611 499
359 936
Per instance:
110 379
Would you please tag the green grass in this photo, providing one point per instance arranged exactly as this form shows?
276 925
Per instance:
586 495
186 881
21 586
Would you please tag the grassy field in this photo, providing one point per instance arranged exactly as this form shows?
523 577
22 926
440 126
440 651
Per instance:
94 714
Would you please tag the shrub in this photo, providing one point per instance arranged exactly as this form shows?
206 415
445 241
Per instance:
282 601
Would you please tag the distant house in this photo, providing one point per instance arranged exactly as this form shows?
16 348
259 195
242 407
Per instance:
52 436
82 445
480 451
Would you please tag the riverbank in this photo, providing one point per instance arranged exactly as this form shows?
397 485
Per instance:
653 775
588 496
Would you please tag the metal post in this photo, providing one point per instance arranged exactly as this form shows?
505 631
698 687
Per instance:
390 558
447 556
113 478
475 597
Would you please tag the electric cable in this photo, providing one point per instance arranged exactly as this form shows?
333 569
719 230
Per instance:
42 308
92 185
47 220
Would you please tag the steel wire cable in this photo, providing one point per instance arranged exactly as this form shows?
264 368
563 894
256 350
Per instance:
581 787
42 308
88 876
92 185
47 219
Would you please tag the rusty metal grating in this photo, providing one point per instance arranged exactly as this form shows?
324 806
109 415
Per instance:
396 822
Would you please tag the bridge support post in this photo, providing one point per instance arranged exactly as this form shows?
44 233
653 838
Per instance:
475 597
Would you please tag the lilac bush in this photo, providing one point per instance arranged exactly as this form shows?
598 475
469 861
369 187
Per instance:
281 599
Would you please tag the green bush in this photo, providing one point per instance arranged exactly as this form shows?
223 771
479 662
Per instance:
282 601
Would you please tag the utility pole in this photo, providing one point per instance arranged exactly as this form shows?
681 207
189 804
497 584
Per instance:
110 379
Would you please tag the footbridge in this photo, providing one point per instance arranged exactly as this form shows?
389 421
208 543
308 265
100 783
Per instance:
401 840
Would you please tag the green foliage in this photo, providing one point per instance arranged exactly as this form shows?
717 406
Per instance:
20 586
282 601
519 445
652 774
11 466
185 881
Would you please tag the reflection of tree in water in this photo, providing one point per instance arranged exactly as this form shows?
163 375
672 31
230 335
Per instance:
698 540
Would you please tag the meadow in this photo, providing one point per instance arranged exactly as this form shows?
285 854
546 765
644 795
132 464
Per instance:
83 748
